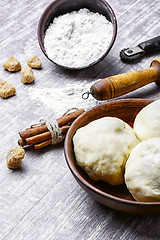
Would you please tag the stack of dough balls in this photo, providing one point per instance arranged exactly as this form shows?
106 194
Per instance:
108 149
142 173
102 148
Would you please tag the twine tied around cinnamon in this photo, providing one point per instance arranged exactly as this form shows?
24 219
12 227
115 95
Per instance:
53 127
55 131
48 132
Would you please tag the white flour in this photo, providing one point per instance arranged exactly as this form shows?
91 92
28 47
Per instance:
67 97
78 39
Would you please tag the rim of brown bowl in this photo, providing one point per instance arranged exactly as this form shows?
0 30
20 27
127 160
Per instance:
46 18
107 199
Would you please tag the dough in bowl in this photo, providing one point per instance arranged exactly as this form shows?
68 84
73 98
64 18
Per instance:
102 148
147 121
142 171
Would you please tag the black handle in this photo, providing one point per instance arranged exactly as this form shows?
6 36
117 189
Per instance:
151 45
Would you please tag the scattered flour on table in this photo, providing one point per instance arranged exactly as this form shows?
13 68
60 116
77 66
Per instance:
64 98
78 39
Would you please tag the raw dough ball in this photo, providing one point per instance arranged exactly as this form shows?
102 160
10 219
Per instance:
147 121
142 172
102 148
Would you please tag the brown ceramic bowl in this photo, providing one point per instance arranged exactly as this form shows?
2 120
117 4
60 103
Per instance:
60 7
115 197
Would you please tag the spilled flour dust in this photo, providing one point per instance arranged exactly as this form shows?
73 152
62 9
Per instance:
64 98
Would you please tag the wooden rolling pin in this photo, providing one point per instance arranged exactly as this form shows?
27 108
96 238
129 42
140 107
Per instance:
121 84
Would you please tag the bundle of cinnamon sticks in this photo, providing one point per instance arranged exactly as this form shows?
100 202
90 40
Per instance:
39 136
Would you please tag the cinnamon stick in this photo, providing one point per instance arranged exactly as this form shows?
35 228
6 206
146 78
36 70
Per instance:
22 142
43 144
48 142
44 136
43 128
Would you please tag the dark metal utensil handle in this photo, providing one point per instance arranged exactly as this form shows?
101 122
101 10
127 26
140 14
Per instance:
151 45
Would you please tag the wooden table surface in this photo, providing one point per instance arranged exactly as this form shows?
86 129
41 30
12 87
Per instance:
43 200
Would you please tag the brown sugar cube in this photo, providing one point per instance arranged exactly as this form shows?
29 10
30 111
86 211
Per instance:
14 157
6 89
27 75
34 62
12 65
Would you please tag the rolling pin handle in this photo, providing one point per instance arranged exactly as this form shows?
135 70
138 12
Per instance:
121 84
156 65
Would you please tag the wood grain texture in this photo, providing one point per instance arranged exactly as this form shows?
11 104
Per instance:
43 200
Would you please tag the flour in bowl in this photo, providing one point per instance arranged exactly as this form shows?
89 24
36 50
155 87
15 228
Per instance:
78 39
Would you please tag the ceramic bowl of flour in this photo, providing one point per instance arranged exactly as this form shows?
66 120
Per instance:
116 197
76 34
